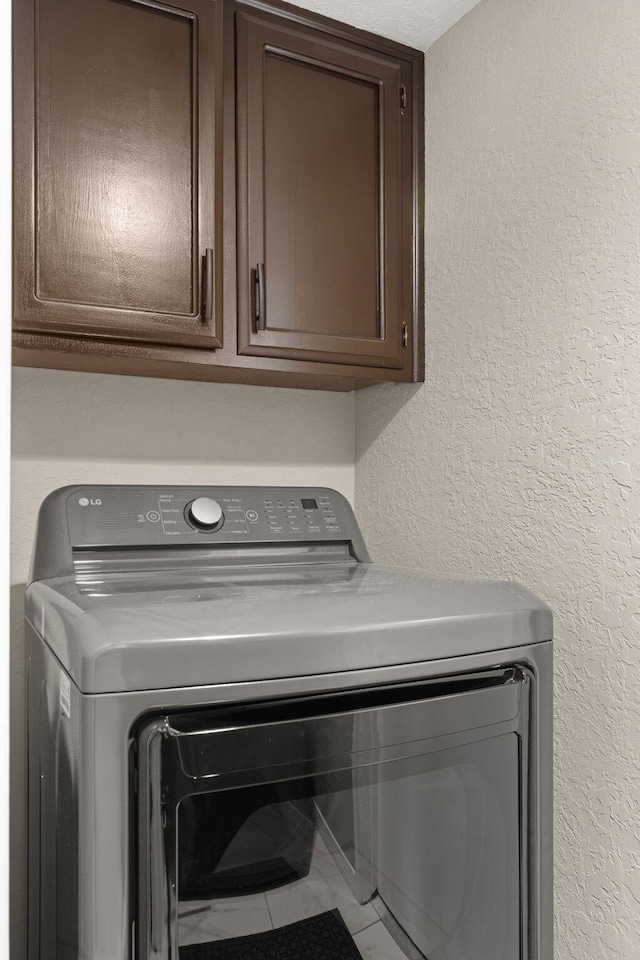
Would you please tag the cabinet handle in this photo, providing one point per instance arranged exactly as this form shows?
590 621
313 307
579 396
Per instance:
261 298
208 284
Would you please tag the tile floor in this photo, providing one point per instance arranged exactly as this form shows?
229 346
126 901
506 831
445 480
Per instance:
323 889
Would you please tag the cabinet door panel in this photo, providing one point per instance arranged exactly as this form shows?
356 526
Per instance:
318 196
125 188
325 278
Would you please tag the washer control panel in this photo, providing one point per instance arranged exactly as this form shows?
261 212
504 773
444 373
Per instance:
127 515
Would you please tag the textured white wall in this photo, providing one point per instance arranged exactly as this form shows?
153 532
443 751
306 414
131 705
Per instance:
519 457
418 23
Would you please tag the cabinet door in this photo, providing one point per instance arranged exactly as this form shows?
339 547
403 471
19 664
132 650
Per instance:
319 196
117 180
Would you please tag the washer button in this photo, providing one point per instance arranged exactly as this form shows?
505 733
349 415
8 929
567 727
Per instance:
153 516
204 514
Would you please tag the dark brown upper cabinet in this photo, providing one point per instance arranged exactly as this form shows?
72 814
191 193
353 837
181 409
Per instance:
120 235
320 196
221 190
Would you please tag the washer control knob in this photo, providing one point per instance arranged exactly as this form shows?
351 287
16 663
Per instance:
205 514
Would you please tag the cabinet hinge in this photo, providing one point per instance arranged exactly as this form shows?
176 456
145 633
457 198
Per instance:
403 98
405 336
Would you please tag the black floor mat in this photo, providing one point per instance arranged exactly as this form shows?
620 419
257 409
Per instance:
324 937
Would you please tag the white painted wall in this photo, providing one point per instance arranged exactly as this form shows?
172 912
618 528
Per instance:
418 23
519 457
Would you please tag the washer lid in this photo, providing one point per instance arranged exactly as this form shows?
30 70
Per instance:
255 623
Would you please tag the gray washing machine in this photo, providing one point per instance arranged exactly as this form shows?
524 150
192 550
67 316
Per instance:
247 740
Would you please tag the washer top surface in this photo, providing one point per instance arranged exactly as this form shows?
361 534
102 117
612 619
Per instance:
146 619
244 624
